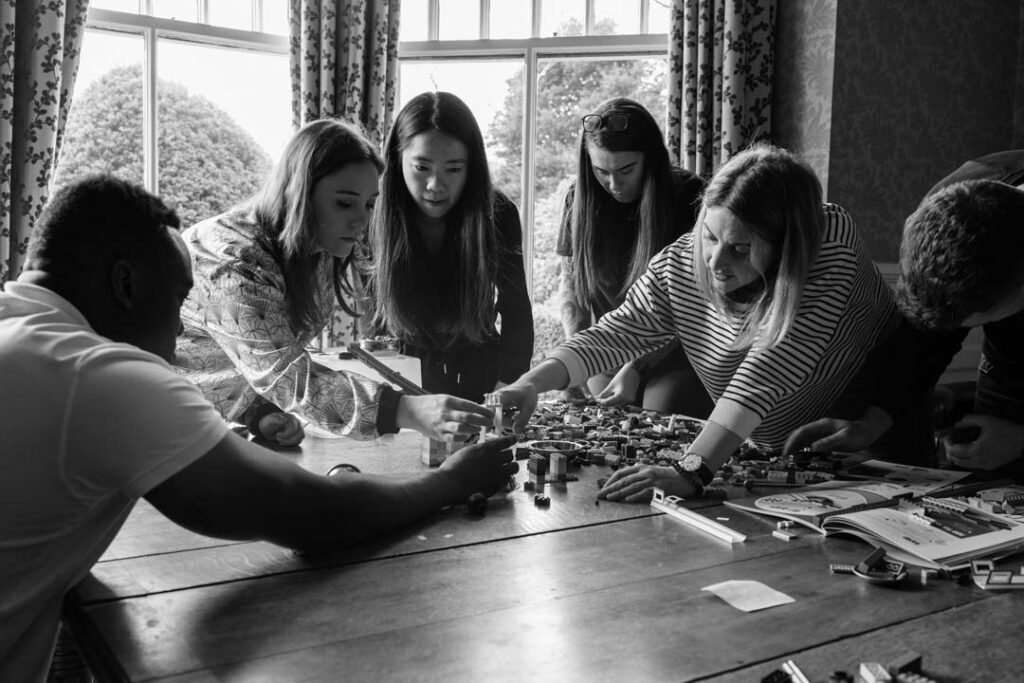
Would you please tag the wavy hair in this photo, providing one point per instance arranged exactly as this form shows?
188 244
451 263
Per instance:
284 212
589 216
396 294
778 198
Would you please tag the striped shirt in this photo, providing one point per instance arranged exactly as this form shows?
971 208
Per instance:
760 393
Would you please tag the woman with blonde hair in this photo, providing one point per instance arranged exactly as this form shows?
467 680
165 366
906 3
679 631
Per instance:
774 300
267 274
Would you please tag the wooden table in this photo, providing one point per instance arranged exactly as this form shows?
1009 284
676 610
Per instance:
573 592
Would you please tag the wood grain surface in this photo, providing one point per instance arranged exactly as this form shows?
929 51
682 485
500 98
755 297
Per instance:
573 592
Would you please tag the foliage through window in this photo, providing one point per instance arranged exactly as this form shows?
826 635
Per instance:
215 134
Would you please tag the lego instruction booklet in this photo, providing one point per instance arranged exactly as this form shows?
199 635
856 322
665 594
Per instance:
894 510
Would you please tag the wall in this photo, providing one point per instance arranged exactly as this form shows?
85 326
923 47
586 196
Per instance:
884 98
805 38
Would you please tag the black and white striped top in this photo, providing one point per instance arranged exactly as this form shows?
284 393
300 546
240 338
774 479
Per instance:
760 393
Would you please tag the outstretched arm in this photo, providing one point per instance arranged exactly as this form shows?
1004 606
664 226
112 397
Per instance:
239 490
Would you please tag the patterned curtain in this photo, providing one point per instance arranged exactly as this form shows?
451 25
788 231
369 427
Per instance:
721 55
40 45
344 63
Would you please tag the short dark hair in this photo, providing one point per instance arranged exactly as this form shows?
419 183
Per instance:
961 253
95 220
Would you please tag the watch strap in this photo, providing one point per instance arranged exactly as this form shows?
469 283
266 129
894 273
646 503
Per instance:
692 477
705 474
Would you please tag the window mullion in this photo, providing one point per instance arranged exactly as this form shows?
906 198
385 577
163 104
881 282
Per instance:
433 19
150 148
485 19
529 161
645 15
589 21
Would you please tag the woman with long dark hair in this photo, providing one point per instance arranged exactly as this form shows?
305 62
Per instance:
625 205
447 258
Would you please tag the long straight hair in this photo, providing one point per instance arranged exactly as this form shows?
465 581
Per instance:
778 198
592 206
396 295
284 213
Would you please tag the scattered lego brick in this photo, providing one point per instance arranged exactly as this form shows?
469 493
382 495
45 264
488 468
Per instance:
873 672
908 662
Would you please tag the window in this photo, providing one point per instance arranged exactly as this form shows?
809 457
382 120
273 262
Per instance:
165 96
171 104
529 69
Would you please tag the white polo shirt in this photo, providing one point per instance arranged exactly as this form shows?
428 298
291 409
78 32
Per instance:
87 426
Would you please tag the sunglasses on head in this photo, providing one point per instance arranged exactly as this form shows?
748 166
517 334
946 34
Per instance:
613 122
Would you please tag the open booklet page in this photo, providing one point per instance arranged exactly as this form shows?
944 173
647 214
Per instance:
939 532
812 505
917 514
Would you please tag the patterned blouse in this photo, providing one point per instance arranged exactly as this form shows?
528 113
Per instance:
239 347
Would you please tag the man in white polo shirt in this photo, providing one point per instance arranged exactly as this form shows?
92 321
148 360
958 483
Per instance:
93 417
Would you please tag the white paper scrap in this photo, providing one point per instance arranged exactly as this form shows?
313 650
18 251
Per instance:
748 596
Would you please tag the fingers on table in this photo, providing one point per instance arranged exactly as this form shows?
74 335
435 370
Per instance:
642 496
625 483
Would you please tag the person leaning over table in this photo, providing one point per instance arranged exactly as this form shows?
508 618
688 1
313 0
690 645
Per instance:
266 275
94 417
961 266
447 256
774 300
625 205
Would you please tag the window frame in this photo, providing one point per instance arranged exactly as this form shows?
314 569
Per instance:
529 50
152 29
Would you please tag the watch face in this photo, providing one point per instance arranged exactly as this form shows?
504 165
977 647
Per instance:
691 462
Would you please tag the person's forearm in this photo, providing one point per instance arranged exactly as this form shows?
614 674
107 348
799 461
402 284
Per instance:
551 374
407 416
239 490
716 444
352 508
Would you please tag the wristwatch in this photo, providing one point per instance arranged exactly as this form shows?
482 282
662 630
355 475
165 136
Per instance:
692 468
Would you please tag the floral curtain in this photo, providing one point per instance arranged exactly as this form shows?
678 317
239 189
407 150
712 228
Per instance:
721 58
344 63
40 45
